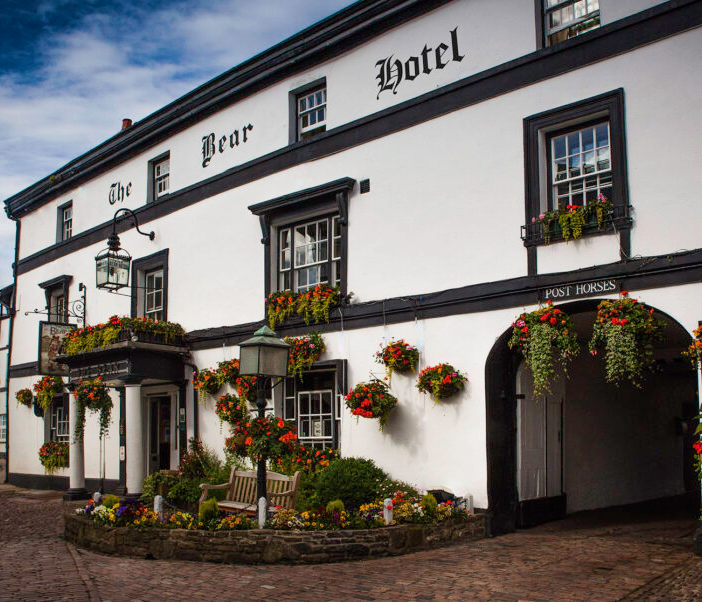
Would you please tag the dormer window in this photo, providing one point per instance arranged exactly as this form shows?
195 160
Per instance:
565 19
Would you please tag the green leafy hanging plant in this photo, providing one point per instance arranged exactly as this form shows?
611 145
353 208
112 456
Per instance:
627 331
694 351
53 455
304 351
316 303
207 382
46 389
24 397
280 306
228 371
92 395
441 381
231 409
397 356
574 218
541 336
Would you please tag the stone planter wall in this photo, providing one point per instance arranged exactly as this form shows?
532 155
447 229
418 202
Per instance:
265 545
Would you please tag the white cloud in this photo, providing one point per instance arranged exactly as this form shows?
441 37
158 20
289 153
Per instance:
124 61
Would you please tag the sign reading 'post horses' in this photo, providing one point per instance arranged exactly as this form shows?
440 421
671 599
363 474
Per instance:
393 71
578 289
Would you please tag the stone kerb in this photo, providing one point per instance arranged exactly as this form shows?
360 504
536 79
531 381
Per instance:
265 545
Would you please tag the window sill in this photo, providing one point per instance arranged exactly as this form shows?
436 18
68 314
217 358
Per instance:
533 233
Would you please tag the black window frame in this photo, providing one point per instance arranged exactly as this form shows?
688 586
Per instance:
542 31
59 285
60 211
303 206
140 267
151 195
61 399
294 131
537 128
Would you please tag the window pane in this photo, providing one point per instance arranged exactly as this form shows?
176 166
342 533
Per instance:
580 8
589 162
323 230
312 232
559 147
602 134
303 104
588 139
602 159
574 143
574 166
304 399
285 260
315 403
561 170
323 251
577 199
337 227
337 248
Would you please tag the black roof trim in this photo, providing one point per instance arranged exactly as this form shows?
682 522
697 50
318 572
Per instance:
289 200
320 42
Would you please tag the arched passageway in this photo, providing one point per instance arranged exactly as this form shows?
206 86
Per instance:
589 444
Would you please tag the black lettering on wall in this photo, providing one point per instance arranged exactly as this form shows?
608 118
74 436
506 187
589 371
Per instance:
209 148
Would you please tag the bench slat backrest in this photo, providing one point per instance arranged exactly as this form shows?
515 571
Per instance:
243 486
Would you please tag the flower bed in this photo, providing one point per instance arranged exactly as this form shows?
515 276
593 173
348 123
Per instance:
233 545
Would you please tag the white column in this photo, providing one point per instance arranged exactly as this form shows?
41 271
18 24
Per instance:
76 460
135 439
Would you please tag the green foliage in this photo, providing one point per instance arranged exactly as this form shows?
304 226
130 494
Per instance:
307 492
335 505
86 339
209 510
304 351
155 482
313 305
371 399
397 356
627 330
354 481
573 218
53 455
542 335
92 395
46 389
388 488
110 500
24 397
429 504
440 381
199 461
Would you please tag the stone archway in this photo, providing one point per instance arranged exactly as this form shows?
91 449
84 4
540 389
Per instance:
601 438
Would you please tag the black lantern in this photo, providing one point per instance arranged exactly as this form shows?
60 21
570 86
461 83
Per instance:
112 264
264 356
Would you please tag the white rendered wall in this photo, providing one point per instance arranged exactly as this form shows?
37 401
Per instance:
613 10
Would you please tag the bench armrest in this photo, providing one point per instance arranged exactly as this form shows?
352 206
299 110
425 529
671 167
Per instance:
206 487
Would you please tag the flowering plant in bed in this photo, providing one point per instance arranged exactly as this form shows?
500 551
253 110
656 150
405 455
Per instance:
441 381
304 351
46 389
627 331
24 397
53 455
541 336
397 356
371 399
92 395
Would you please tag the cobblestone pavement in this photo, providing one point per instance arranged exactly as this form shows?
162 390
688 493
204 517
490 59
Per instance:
620 557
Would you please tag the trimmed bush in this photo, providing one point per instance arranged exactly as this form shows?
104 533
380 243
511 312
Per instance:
354 481
429 504
335 505
209 510
110 500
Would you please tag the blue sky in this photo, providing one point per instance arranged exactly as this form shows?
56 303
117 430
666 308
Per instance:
71 70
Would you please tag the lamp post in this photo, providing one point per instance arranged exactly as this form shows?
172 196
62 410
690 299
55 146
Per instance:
112 264
264 356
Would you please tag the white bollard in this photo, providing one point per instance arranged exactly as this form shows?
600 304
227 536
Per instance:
97 498
262 511
158 506
387 510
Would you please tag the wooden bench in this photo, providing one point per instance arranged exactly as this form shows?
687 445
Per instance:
241 491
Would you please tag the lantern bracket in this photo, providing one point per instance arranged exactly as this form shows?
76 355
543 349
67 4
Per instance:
113 241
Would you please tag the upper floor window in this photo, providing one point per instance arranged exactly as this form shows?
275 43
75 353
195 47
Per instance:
150 286
64 229
56 293
153 294
580 166
161 176
574 154
308 110
3 428
564 19
305 234
309 254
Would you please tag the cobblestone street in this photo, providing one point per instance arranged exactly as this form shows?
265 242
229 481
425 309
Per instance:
631 559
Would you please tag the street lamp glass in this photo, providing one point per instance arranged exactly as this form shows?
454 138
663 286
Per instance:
263 355
112 271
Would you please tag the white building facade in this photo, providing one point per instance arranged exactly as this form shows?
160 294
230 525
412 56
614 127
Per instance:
414 141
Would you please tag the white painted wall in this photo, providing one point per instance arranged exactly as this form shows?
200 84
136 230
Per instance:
613 10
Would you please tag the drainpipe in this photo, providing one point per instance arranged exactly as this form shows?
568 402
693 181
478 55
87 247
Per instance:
13 305
196 426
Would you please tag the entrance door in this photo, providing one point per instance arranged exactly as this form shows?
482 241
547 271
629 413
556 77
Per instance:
159 433
539 453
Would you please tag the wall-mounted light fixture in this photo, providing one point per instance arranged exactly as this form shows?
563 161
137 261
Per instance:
112 264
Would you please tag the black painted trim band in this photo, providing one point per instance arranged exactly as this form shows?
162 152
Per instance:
27 369
622 36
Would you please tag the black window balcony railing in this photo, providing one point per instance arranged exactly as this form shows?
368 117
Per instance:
542 233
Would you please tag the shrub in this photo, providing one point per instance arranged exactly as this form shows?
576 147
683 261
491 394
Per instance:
199 461
209 510
307 491
354 481
389 487
110 500
429 504
152 483
335 505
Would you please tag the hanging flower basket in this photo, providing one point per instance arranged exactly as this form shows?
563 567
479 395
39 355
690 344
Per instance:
207 382
92 395
543 336
272 438
53 455
397 356
441 381
46 389
24 397
228 371
371 400
246 388
694 351
231 409
304 351
627 331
